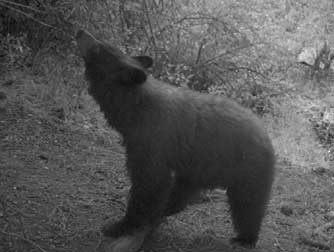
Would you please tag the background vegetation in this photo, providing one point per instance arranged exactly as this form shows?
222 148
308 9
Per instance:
246 50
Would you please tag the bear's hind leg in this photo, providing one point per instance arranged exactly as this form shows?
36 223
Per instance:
248 201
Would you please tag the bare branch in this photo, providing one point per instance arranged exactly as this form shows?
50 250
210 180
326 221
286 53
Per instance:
22 5
152 36
26 15
208 61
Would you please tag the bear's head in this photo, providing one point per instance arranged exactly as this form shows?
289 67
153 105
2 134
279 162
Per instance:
105 63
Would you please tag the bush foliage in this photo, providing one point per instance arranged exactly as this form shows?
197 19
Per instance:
209 47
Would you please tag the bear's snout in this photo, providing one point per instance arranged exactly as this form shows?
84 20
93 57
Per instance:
85 42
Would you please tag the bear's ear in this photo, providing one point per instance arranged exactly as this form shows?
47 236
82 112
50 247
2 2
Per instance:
144 61
133 76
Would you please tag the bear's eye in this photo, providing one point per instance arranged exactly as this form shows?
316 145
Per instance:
99 55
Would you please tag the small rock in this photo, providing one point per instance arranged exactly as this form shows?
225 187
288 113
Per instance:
286 210
301 211
43 157
2 114
321 171
58 112
307 56
330 215
2 95
8 83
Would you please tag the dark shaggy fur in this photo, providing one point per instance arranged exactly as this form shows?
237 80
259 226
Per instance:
179 142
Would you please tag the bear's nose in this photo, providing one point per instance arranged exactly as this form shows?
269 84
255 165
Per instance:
79 34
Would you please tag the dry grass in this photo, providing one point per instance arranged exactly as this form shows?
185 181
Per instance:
59 181
294 139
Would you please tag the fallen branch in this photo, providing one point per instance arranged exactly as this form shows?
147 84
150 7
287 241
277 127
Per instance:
278 245
314 244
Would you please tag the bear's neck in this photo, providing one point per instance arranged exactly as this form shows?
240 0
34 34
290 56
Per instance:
120 105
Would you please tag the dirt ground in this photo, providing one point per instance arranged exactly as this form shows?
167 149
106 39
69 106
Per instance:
59 183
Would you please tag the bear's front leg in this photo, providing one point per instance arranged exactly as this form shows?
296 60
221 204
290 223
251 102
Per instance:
149 193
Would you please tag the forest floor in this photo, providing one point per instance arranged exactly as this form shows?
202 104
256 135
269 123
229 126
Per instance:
59 183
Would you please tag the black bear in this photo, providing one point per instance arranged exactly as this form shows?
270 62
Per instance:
178 142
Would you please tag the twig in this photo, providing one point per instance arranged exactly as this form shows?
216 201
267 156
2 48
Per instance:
225 81
199 52
278 245
27 15
248 70
315 244
96 248
150 24
22 5
196 16
224 53
23 238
